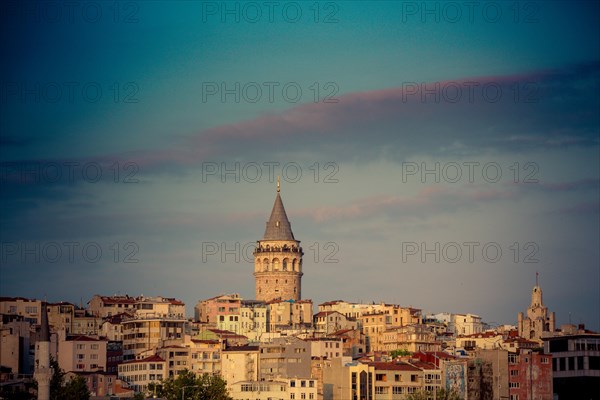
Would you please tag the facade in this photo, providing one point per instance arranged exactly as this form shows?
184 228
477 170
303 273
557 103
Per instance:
107 306
353 341
327 347
285 357
140 373
112 327
205 356
538 322
278 259
413 338
485 340
466 324
254 319
328 322
529 375
177 359
488 375
81 353
344 379
239 364
143 335
290 314
575 365
280 389
29 309
100 384
217 310
15 339
396 380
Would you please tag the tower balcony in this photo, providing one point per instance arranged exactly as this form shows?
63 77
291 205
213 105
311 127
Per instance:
279 249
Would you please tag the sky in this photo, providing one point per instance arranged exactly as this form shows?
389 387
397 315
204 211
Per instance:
431 154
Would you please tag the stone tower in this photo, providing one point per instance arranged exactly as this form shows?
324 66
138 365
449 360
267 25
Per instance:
278 258
538 319
42 372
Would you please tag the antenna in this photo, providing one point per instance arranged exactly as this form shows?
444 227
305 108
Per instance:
278 184
537 275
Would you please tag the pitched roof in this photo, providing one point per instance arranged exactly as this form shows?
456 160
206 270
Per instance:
278 226
153 358
242 348
83 338
390 366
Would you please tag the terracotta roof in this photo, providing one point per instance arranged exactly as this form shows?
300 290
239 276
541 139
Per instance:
83 338
153 358
390 366
16 299
438 354
326 313
205 341
242 348
341 332
422 364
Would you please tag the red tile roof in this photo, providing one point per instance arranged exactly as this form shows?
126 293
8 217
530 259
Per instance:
391 366
83 338
153 358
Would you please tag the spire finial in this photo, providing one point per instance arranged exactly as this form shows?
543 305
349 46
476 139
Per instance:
537 274
278 184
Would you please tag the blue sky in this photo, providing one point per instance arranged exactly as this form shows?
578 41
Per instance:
126 87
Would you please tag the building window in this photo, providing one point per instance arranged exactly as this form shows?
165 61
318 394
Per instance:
514 385
514 372
380 377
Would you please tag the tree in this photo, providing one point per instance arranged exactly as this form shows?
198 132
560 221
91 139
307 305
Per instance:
441 394
76 389
57 381
189 386
400 352
420 395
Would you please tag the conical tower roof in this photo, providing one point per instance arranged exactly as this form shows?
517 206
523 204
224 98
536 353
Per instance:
278 226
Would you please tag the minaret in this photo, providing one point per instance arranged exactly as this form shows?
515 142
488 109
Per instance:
278 258
43 373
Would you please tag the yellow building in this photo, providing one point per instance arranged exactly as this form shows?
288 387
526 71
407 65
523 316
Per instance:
347 380
294 315
143 335
239 364
29 309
